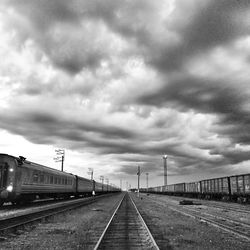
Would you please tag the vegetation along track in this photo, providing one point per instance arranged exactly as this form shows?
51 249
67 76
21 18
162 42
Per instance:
126 229
238 228
39 213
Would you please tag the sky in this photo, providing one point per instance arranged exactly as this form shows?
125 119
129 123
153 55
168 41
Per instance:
120 83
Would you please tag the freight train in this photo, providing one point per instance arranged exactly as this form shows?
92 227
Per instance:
229 188
22 181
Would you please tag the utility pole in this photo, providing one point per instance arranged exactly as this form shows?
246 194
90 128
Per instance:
147 181
91 173
165 170
60 157
102 179
121 184
126 186
107 180
138 173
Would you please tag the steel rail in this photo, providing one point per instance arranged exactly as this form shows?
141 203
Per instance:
195 214
145 225
243 224
12 222
107 226
223 205
116 220
217 224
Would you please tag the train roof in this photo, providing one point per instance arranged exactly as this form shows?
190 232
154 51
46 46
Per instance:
37 166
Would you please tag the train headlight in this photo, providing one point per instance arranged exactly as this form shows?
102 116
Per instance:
9 188
11 169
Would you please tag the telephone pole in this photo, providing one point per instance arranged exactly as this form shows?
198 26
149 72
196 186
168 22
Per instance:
147 181
102 179
138 173
165 170
91 173
60 157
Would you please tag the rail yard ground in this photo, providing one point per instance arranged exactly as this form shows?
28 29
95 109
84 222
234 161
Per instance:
76 229
81 228
173 230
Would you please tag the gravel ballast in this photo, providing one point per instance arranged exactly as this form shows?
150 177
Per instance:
173 230
76 229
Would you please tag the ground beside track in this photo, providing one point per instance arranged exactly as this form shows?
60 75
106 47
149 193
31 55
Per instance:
76 229
173 230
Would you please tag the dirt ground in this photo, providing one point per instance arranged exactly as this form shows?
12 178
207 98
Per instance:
77 229
173 230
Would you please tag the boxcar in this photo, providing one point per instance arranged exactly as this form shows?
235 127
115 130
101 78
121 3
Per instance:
240 187
179 188
193 189
215 188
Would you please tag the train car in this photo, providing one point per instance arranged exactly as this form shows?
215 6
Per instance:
240 187
150 189
100 188
164 189
84 186
193 189
22 180
179 188
170 189
217 188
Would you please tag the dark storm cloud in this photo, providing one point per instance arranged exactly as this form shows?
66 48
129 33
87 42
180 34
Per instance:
61 30
200 94
213 24
40 126
136 113
232 155
208 97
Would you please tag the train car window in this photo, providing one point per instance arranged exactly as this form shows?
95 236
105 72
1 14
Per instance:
59 180
35 177
41 178
66 181
51 179
55 182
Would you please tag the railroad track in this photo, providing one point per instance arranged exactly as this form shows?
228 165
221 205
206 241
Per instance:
227 206
39 213
126 229
242 208
237 228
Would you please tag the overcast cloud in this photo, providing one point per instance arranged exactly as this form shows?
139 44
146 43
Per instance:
119 83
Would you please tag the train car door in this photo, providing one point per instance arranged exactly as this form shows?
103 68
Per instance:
3 175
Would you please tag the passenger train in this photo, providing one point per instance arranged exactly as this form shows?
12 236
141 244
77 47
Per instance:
229 188
22 181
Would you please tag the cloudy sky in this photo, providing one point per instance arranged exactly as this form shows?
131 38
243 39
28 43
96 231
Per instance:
119 83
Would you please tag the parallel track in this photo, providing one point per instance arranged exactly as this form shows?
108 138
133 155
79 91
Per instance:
36 214
126 229
237 228
242 208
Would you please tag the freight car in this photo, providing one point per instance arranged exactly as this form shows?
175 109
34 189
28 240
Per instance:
233 188
22 181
